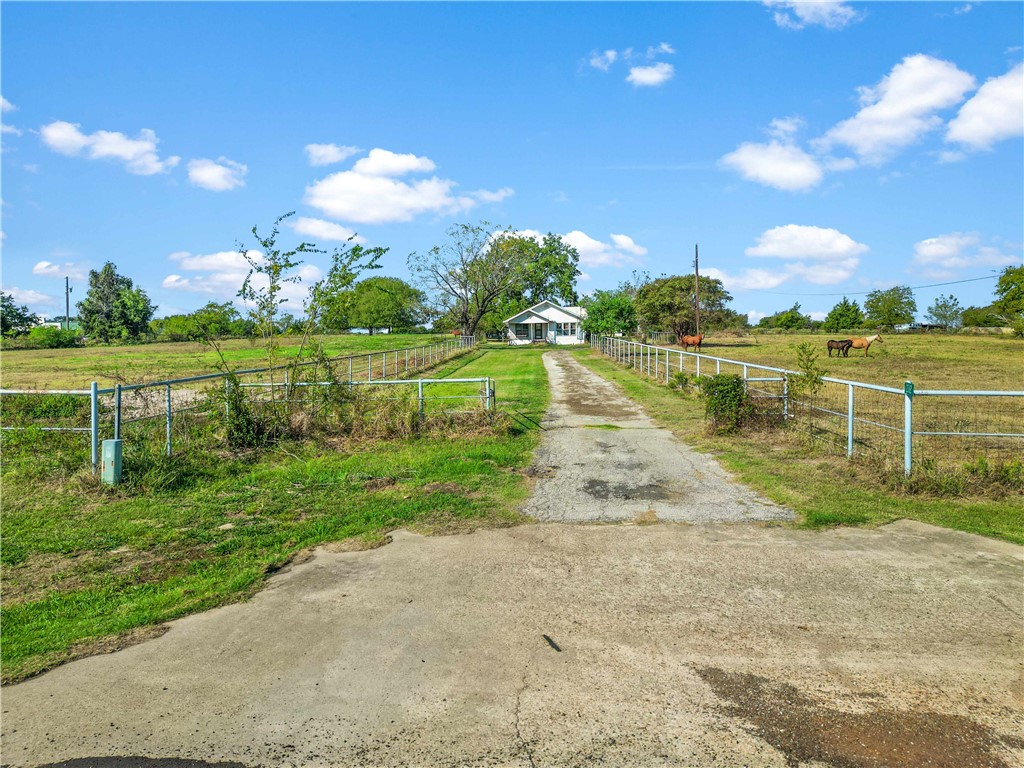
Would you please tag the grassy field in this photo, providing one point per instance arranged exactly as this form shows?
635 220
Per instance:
75 368
824 490
85 567
931 361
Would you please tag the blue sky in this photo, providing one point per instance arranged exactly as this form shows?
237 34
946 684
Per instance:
810 149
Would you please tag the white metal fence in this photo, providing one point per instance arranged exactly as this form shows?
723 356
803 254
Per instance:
103 412
919 427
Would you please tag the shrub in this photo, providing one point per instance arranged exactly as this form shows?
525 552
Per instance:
48 337
726 404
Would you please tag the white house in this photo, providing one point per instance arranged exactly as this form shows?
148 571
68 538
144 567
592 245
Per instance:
546 322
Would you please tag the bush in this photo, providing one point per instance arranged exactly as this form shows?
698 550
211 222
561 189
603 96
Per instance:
48 337
726 404
685 383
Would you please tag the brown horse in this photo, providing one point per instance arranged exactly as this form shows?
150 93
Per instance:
866 343
841 346
692 341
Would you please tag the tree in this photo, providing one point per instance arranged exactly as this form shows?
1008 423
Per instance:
982 317
843 316
550 271
1010 293
113 308
946 311
894 306
470 273
669 303
788 319
609 313
386 302
14 319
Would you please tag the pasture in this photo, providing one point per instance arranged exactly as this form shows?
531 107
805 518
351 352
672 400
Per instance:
75 368
86 565
931 361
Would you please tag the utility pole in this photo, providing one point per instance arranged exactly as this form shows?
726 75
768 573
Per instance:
67 304
696 283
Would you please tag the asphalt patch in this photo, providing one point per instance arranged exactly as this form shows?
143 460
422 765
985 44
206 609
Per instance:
805 730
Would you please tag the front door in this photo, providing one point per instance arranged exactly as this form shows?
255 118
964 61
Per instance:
538 331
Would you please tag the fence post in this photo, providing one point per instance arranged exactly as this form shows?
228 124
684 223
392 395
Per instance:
94 424
849 421
168 419
785 398
407 362
369 367
718 366
420 383
698 366
668 364
350 369
117 411
680 362
908 426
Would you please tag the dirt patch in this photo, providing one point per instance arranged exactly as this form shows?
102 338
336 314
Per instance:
535 470
805 730
355 544
139 762
379 483
650 517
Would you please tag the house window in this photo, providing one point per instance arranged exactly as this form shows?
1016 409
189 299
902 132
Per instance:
566 329
522 331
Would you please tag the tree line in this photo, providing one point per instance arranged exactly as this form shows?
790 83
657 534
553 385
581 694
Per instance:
479 276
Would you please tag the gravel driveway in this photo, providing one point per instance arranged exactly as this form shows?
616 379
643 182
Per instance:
602 460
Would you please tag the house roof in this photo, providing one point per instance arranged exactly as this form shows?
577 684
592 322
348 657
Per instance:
547 312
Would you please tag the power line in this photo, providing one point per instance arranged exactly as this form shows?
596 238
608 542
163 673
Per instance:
865 293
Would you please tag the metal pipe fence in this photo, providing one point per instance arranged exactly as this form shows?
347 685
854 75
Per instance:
108 411
909 426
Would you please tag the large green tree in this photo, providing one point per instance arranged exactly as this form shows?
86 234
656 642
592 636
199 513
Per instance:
386 302
893 306
1010 293
468 275
844 316
15 319
946 311
114 309
669 303
609 313
791 319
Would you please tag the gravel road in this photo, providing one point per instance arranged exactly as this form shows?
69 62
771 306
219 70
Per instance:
603 460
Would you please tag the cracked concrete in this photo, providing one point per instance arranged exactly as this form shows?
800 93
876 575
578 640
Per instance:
678 644
602 459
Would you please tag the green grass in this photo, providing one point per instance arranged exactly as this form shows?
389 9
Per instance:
84 564
931 361
75 368
825 491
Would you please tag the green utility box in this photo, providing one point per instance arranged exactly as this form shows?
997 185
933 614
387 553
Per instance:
110 465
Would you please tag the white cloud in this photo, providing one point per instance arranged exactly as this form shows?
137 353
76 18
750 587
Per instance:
754 316
594 253
10 129
326 154
825 273
220 175
656 50
139 154
325 230
67 269
30 297
382 162
485 196
797 241
368 195
994 113
783 128
625 243
220 275
748 279
778 165
963 9
652 75
900 109
939 257
6 106
604 59
797 14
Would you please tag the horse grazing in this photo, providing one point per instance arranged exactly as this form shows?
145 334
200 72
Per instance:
841 346
865 343
692 341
